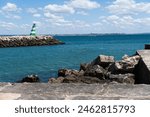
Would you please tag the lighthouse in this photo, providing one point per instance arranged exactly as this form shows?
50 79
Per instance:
33 31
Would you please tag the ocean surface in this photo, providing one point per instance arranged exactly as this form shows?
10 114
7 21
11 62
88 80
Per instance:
16 63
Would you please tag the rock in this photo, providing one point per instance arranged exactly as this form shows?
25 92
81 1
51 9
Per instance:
70 80
31 78
63 72
67 72
81 73
123 78
133 59
95 71
127 65
56 80
84 66
125 57
103 61
83 79
91 80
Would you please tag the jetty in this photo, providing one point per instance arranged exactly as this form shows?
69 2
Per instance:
32 40
18 41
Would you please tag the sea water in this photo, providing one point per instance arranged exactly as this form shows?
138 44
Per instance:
18 62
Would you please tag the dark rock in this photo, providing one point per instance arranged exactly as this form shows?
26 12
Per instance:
62 72
103 61
84 66
31 79
70 80
95 71
123 78
91 80
83 79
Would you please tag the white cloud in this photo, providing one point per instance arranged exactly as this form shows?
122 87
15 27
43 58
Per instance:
38 23
82 13
120 21
25 26
59 21
52 16
56 20
81 24
128 7
97 24
143 21
7 25
54 8
125 21
36 15
11 10
83 4
71 6
32 10
10 7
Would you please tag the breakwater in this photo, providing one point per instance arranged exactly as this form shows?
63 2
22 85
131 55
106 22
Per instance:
105 69
17 41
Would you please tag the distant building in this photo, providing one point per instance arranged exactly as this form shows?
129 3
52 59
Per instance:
33 30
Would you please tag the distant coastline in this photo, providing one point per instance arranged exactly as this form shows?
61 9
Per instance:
86 34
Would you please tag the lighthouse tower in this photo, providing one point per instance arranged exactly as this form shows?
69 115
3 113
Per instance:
33 32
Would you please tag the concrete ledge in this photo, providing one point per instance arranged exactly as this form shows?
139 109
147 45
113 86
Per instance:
45 91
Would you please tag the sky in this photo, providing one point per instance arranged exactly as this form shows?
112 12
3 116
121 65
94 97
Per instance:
74 16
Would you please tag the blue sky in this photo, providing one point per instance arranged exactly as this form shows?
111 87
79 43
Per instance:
74 16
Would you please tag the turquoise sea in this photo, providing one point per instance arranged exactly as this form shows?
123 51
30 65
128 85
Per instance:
16 63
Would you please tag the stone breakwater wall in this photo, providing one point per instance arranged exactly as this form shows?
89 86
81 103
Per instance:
105 69
17 41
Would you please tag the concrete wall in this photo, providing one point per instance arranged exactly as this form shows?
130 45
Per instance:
142 73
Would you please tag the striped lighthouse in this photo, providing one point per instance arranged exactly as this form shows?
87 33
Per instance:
33 31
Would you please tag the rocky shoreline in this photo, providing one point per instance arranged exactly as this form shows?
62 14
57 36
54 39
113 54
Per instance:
103 69
18 41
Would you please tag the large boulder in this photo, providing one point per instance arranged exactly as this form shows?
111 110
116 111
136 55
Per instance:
95 71
103 60
31 79
126 65
123 78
